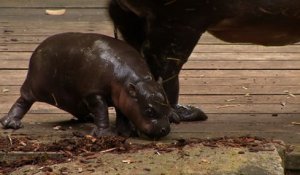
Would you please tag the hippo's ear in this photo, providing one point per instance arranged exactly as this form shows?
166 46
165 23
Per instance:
132 90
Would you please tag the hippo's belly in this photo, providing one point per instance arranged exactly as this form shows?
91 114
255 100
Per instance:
262 22
270 34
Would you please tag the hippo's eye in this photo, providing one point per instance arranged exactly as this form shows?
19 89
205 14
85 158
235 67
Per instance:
151 112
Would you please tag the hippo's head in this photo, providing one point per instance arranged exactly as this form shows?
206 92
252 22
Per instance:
148 108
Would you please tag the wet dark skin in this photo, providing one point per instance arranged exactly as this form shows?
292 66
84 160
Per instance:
166 31
84 74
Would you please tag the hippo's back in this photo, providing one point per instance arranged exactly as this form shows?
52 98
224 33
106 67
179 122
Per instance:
73 65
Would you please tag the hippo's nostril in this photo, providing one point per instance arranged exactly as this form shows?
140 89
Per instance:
163 130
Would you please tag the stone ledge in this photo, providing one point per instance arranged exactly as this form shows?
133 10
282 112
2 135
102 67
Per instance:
292 159
196 159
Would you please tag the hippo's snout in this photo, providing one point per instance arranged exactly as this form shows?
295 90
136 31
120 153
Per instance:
160 128
165 131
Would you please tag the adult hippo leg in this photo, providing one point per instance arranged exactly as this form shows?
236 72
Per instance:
16 113
171 86
165 43
99 109
185 113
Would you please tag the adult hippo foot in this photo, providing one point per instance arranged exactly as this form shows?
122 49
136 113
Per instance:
10 123
96 132
189 113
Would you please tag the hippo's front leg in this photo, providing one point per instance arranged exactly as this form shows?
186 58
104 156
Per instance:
99 110
171 87
124 127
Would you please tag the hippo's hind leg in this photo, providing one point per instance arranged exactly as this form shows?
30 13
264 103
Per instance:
124 127
16 113
99 110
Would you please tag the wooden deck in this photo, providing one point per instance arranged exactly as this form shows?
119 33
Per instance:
244 88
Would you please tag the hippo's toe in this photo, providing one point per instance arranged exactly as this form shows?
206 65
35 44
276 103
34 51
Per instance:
10 123
96 132
190 113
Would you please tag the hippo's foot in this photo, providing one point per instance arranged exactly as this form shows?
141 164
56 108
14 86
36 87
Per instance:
10 122
97 132
189 113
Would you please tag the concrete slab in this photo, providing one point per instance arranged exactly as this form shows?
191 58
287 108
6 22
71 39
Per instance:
196 159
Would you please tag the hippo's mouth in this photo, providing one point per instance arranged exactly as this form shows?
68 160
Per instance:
154 133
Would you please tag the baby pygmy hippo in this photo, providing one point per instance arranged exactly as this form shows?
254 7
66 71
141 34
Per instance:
84 74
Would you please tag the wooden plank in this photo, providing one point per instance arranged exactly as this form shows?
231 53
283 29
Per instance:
14 64
239 73
207 38
62 18
233 99
9 39
235 126
250 108
203 48
12 77
21 35
191 65
194 57
261 125
53 4
222 100
214 119
39 15
205 77
221 107
246 49
240 90
37 12
244 56
15 56
51 24
242 81
207 108
48 29
206 90
14 38
244 124
18 47
240 65
36 108
202 77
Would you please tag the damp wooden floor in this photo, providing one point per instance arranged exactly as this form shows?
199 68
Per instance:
245 89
